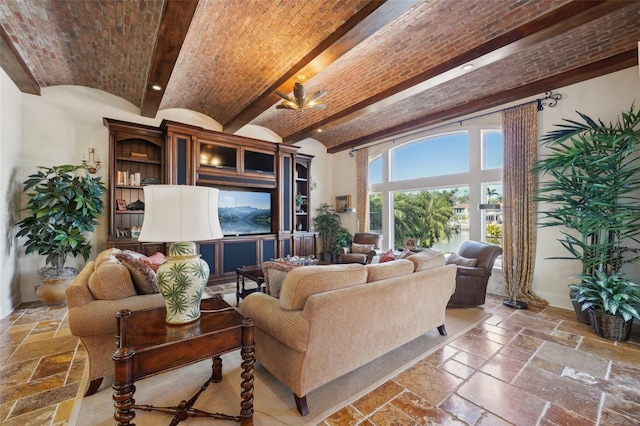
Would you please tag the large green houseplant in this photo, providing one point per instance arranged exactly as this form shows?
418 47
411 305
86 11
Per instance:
327 223
64 203
591 188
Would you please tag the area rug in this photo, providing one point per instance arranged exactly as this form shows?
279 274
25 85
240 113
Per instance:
273 402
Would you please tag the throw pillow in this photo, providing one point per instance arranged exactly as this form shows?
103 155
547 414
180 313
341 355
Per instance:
143 277
361 248
456 259
387 257
274 274
405 253
154 261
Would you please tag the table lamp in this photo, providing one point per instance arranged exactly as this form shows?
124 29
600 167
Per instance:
181 215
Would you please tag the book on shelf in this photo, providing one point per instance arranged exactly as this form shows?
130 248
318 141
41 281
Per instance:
126 178
138 154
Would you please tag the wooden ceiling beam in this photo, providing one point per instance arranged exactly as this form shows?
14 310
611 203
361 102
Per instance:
15 67
174 24
373 16
609 65
558 21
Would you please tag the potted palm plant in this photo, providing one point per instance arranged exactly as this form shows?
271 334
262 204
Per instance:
327 224
593 178
64 202
609 301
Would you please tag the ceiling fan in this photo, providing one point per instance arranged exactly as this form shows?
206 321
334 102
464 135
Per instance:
299 100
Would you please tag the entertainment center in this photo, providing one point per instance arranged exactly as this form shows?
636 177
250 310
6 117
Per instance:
258 181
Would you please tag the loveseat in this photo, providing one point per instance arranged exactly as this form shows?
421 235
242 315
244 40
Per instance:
330 320
102 288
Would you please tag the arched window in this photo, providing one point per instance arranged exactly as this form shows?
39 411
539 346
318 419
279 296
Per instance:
430 187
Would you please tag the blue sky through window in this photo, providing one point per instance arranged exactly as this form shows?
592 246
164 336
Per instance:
440 155
493 150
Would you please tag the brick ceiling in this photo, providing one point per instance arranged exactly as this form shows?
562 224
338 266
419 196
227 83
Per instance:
388 66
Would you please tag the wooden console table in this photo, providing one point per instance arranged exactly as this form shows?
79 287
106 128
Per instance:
147 345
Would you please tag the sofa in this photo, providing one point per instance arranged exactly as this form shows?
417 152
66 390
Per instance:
330 320
115 280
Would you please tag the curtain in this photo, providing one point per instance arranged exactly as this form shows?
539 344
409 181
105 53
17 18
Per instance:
519 185
362 189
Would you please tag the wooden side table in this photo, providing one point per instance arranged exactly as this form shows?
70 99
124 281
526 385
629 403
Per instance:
254 273
147 345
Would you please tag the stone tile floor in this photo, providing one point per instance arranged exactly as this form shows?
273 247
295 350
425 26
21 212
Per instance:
533 367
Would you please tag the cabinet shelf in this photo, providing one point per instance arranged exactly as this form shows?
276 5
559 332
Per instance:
139 160
130 212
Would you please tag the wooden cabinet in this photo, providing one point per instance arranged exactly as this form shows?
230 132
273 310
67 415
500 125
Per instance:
180 154
136 158
302 193
304 243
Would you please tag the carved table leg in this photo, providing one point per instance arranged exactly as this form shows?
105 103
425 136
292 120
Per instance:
216 369
123 388
248 357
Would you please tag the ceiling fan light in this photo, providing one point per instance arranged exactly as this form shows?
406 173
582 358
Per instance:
299 99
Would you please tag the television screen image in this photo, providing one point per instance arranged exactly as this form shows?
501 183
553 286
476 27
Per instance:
244 212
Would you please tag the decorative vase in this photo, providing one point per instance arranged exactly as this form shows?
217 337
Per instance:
612 327
54 283
182 280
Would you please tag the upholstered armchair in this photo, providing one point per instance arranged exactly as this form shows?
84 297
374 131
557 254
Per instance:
472 277
365 246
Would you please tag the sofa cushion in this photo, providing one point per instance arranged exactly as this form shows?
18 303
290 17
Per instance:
427 259
456 259
111 281
387 257
361 248
300 283
395 268
274 274
143 277
107 255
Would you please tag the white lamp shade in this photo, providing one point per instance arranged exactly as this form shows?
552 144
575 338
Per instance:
180 213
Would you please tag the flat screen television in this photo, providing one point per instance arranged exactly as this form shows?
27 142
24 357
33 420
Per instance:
244 212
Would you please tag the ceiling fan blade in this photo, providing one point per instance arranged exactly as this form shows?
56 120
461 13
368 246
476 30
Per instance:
285 96
287 105
317 95
316 106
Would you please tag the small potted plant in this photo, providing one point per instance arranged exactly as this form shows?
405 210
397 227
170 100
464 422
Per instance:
343 239
609 300
301 200
64 202
327 224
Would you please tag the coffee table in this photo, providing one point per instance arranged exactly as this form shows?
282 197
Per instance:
147 345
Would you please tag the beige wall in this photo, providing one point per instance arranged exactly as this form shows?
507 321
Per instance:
10 145
61 124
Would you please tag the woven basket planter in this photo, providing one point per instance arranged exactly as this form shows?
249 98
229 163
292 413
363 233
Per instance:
610 327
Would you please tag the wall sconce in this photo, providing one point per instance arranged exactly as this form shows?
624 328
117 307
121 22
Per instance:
93 163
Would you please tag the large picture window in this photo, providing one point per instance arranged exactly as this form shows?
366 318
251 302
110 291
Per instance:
434 187
424 157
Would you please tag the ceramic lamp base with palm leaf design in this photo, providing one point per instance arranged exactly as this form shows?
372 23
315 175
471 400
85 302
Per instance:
182 280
